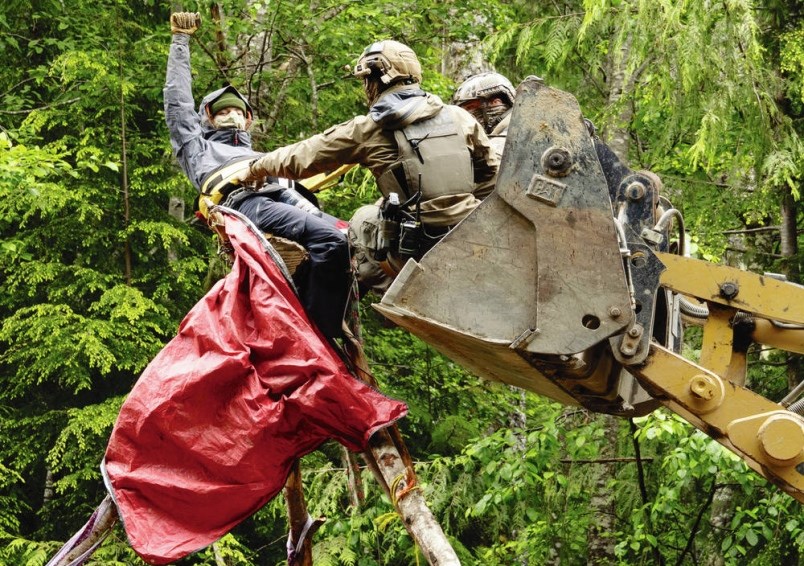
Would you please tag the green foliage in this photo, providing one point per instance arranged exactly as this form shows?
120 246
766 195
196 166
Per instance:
690 469
438 391
86 428
792 64
452 434
91 292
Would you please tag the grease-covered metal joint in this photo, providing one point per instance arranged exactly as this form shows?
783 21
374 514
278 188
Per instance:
635 191
703 387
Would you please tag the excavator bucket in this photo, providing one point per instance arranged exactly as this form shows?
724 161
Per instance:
544 287
535 273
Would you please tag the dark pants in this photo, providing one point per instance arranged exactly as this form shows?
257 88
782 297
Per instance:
324 280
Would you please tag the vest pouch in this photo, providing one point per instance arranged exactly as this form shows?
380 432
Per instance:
376 236
387 237
394 180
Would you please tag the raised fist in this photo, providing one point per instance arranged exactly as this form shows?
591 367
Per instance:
185 22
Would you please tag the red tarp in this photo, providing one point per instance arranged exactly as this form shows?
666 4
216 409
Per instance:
209 432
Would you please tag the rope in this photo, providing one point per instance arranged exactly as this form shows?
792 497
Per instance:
396 497
412 485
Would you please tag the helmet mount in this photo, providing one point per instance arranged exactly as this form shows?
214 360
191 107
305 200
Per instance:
390 61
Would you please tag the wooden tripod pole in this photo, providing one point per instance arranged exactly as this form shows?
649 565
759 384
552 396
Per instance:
302 526
389 460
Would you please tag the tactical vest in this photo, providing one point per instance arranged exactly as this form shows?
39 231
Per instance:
433 159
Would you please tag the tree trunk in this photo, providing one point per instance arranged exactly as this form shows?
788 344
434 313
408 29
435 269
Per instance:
719 519
89 537
49 491
216 552
176 210
124 156
405 493
789 250
463 59
617 135
600 543
599 540
517 422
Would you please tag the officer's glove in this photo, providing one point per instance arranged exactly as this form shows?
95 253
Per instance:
185 22
255 173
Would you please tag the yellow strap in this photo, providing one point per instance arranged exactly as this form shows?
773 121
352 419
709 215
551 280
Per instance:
214 184
396 497
325 180
221 177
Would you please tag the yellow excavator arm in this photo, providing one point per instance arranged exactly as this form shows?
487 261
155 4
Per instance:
564 282
742 308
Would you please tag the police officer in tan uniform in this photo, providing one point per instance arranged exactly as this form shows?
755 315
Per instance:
432 155
489 97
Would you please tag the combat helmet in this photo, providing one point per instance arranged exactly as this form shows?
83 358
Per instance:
393 61
485 86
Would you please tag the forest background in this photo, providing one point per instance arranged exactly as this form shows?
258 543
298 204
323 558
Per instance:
99 262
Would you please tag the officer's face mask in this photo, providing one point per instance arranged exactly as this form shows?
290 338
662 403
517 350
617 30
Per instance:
372 90
232 118
488 113
494 116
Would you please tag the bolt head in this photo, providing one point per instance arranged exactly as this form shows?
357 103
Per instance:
702 387
556 161
635 191
729 290
782 438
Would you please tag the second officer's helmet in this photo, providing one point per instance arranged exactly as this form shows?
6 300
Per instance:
485 86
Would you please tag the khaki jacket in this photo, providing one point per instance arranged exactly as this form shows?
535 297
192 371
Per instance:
369 141
497 138
499 133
